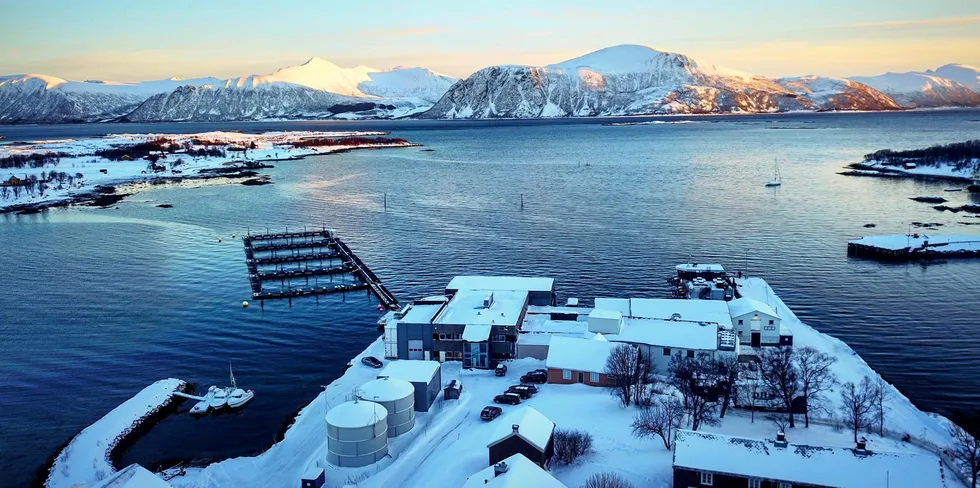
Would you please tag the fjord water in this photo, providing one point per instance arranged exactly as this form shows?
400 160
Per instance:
98 303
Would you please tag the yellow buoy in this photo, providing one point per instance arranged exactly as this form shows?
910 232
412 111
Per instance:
219 239
244 304
233 236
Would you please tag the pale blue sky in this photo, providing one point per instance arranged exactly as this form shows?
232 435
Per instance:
141 39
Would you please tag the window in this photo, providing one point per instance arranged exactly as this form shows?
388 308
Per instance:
500 338
755 483
566 374
770 327
771 322
707 479
666 351
594 377
690 353
784 484
442 337
741 322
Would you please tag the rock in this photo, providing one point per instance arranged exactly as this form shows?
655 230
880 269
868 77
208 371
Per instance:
165 205
869 226
256 182
929 199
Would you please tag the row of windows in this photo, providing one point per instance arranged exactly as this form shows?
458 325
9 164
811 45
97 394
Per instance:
566 374
708 479
690 353
742 322
459 337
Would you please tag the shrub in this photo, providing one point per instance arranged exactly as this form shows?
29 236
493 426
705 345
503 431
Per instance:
571 444
607 480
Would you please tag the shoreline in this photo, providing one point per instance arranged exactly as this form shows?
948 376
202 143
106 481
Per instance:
302 444
107 192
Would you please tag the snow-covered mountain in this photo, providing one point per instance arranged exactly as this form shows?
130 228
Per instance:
950 85
630 79
317 88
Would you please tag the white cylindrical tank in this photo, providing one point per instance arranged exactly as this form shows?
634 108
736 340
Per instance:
357 434
397 397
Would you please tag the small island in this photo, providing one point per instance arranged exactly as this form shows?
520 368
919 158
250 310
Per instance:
41 174
953 162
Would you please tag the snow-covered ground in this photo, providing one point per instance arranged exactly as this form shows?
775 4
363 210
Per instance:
86 458
270 146
938 244
943 171
449 443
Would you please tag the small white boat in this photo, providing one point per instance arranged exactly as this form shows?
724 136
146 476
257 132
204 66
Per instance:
219 399
237 396
776 179
953 189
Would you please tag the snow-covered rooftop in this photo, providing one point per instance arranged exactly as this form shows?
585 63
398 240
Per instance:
621 305
466 307
136 476
421 313
744 306
353 415
521 473
412 370
693 310
385 390
823 466
514 283
606 314
476 333
579 354
532 426
668 333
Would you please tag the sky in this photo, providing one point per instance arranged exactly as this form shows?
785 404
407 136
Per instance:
128 40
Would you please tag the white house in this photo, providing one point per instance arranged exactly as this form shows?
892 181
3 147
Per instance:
516 471
757 324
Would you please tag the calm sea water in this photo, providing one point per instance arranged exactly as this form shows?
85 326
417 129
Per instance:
96 304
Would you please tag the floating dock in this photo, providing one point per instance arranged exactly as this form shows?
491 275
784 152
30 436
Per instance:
912 247
315 254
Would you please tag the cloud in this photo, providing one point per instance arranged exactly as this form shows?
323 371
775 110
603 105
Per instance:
887 24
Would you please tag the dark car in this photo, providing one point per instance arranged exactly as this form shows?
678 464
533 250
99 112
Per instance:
523 391
536 376
532 388
372 362
500 370
510 398
490 413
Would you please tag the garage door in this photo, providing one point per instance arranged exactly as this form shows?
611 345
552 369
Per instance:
414 349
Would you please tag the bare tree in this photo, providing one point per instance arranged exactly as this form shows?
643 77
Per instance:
607 480
624 366
965 450
857 404
660 419
777 419
728 373
780 375
571 444
695 378
815 376
751 390
879 404
644 375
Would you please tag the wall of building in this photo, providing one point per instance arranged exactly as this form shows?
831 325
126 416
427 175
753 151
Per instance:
543 298
516 445
661 362
410 332
686 478
556 376
769 332
536 351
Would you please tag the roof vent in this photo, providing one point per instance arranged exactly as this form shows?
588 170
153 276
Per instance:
515 428
675 316
499 469
781 440
488 301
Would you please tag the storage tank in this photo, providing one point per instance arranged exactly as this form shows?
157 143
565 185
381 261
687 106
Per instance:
397 397
357 434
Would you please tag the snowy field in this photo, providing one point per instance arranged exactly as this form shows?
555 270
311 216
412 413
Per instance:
81 159
86 457
449 443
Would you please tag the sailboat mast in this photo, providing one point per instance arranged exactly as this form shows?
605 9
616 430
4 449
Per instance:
231 374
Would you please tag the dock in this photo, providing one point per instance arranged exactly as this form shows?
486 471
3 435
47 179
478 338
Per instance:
914 246
308 255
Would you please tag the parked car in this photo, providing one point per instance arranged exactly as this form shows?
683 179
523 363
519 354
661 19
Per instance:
490 413
372 362
500 370
523 391
536 376
532 388
509 398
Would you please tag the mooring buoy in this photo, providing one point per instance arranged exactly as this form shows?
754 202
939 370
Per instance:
244 304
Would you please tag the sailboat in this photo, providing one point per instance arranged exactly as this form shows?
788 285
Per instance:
776 179
238 396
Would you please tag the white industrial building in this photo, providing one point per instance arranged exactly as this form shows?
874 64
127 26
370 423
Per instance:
357 434
757 324
398 398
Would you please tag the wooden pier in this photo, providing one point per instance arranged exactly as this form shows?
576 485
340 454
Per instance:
317 251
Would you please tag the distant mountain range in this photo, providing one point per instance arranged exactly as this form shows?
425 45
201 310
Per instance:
620 80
